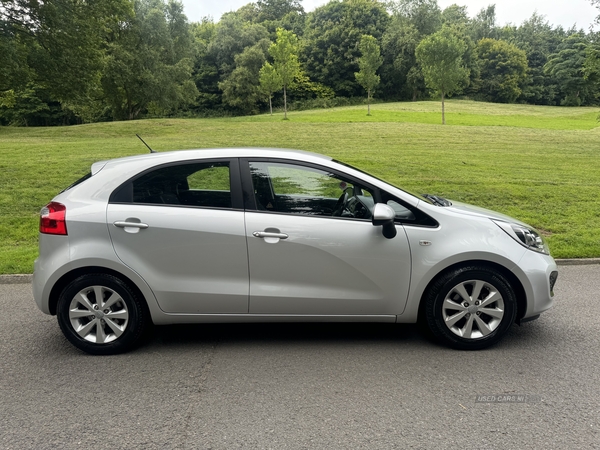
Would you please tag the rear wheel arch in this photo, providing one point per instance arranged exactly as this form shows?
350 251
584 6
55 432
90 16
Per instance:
68 277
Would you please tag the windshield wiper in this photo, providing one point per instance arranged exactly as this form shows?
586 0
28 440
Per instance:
439 201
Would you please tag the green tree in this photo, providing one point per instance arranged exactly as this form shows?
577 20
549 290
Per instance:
149 67
484 24
566 66
441 58
424 15
270 82
401 75
412 21
285 61
277 9
205 72
503 70
368 63
232 35
273 14
538 39
330 51
54 49
455 15
241 89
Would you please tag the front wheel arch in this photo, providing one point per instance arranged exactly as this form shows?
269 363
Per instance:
512 279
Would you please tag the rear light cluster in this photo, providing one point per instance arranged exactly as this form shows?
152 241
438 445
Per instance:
52 219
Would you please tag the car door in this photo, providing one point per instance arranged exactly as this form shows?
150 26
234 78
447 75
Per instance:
312 248
181 227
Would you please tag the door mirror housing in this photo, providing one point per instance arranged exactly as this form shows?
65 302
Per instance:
384 215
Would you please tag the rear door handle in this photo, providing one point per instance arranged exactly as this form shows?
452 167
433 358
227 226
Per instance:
269 234
131 225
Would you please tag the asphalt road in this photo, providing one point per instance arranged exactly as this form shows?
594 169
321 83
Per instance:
305 386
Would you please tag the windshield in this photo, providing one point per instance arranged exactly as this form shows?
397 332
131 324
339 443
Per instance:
419 196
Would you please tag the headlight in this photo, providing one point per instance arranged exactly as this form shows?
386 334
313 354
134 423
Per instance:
525 236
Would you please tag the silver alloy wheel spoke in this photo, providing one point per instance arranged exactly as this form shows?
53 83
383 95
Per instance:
114 298
100 334
79 313
452 305
492 312
451 321
85 301
114 327
84 330
460 290
477 288
99 296
483 327
468 328
477 313
122 314
493 297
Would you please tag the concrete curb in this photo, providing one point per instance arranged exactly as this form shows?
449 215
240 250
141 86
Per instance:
16 279
26 278
578 262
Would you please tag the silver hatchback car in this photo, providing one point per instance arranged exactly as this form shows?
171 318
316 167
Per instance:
264 235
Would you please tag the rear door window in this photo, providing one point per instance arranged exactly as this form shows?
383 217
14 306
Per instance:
199 184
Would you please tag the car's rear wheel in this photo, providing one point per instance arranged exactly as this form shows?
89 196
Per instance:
100 314
470 308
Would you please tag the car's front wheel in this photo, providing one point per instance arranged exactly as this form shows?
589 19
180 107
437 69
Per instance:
100 314
470 308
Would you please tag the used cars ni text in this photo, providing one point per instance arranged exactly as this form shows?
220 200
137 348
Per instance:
262 235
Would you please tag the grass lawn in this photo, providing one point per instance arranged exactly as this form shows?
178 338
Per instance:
539 164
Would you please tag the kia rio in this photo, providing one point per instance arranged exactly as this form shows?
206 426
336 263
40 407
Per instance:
267 235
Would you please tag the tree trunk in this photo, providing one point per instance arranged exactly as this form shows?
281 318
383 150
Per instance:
443 112
270 104
368 102
284 103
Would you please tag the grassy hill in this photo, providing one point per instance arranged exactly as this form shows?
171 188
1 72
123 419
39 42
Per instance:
539 164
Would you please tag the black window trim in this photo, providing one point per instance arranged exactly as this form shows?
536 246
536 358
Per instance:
422 219
235 185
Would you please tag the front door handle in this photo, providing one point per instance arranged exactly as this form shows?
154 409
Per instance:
269 234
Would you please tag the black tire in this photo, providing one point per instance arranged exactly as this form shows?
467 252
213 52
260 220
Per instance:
115 324
465 290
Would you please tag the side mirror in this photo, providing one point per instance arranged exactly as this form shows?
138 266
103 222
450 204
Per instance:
384 215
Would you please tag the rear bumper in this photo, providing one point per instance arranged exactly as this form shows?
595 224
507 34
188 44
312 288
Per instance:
54 255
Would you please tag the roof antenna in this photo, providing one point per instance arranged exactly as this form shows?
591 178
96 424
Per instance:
149 148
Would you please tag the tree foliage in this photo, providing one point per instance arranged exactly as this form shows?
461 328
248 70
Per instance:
503 70
241 89
270 82
149 65
285 60
566 66
441 58
331 39
370 60
73 61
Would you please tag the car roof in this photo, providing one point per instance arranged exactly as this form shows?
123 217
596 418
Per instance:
116 171
183 155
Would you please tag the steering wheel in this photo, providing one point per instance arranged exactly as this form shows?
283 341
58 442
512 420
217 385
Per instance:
341 204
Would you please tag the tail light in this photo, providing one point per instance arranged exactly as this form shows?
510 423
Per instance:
52 219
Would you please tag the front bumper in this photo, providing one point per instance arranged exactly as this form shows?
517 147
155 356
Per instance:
541 273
